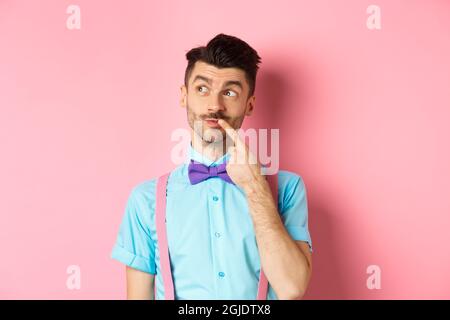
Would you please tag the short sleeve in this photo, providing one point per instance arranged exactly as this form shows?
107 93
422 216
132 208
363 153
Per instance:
134 246
294 207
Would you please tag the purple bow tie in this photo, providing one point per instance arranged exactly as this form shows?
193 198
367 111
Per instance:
199 172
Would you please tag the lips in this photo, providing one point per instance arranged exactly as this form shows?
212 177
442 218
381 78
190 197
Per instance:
212 123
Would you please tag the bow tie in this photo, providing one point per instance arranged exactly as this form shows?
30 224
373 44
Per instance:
199 172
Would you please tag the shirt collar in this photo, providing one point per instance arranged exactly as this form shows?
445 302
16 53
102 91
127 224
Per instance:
197 156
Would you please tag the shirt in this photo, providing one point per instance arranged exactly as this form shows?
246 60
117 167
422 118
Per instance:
210 233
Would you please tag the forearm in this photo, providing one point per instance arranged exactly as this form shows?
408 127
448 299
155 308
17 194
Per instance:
286 267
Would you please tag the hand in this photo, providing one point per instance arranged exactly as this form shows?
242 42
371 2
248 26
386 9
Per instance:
243 166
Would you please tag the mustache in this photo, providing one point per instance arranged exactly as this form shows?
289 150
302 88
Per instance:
214 116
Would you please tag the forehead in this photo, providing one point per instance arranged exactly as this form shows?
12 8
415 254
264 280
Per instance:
218 75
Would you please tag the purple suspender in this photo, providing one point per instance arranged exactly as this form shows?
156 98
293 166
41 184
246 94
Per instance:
164 248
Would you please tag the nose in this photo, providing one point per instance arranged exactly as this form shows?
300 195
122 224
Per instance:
215 103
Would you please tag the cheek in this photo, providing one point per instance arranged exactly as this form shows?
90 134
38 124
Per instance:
191 106
195 104
236 109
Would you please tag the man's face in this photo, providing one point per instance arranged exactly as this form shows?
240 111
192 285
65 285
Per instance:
212 94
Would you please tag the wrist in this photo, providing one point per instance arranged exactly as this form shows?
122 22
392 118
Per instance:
256 186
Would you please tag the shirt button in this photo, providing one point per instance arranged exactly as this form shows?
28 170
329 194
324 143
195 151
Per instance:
215 198
217 234
221 274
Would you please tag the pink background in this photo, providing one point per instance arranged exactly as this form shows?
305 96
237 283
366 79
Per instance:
363 117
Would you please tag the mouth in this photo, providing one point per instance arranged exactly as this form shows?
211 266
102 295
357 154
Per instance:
213 123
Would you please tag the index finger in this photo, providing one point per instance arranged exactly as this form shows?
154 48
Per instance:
229 130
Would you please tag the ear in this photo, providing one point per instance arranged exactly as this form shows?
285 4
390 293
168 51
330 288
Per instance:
183 98
250 105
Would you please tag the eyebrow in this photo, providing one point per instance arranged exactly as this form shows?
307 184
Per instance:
228 83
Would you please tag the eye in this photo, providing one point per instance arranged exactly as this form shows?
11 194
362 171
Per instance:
200 89
233 94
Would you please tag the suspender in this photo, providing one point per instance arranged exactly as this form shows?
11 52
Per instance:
163 246
162 237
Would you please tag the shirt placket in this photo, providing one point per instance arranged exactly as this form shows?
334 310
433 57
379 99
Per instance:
217 221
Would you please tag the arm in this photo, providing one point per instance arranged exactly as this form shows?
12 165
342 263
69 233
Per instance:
286 263
140 285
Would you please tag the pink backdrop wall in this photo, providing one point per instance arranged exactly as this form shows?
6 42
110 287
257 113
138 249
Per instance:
363 115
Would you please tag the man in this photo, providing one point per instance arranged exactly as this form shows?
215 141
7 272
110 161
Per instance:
221 230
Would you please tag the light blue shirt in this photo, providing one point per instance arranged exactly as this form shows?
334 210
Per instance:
212 243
